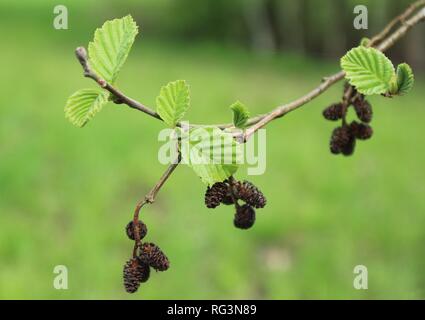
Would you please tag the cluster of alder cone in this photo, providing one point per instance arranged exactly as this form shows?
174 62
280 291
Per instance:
344 137
137 269
230 192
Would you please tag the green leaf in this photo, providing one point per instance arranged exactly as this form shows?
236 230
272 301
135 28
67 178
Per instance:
368 69
173 102
364 42
405 79
212 154
240 115
111 46
82 106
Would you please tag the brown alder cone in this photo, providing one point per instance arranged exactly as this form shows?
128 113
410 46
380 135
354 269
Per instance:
349 148
250 194
135 273
361 131
129 229
341 137
244 217
152 255
363 109
216 194
334 112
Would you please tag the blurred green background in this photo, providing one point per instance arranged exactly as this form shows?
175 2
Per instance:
66 194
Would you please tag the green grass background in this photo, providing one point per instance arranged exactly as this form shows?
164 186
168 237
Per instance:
66 194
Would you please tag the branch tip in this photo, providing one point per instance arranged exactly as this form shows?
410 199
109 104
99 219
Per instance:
81 54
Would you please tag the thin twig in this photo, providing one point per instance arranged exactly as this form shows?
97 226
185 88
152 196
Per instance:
151 196
400 32
282 110
232 183
345 103
149 199
81 54
399 19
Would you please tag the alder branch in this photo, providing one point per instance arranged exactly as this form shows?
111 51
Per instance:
329 81
382 42
257 122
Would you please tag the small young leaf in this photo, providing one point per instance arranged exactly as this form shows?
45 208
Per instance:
405 79
111 46
364 42
240 115
211 153
82 106
393 87
173 102
368 69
